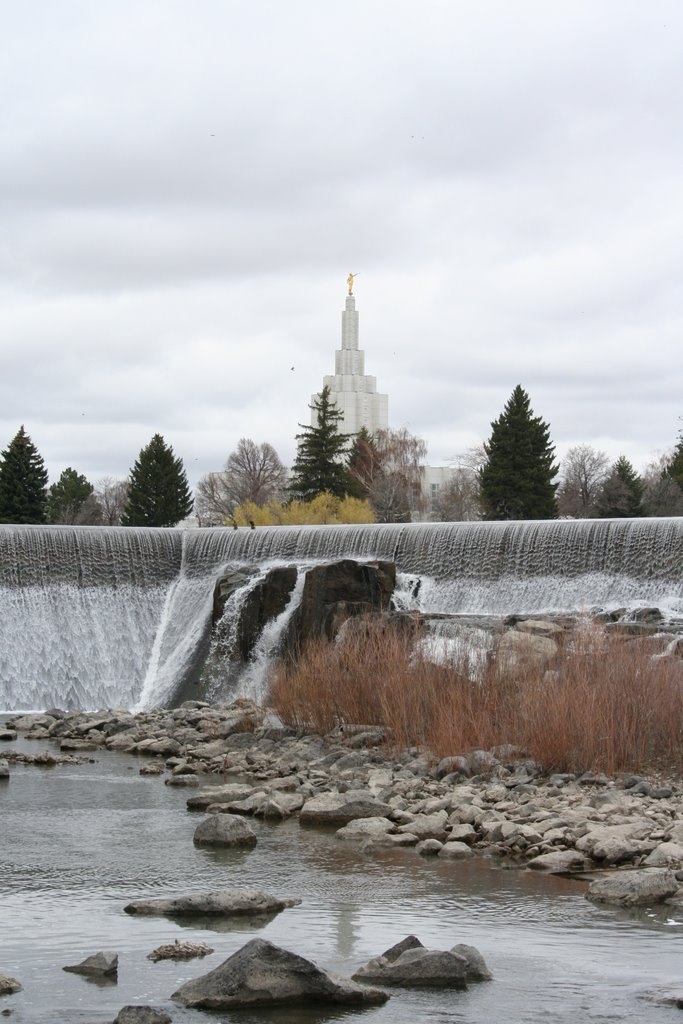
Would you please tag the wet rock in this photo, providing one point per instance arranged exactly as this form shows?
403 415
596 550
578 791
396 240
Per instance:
222 902
265 602
99 964
4 770
429 847
187 781
261 974
338 591
634 888
141 1015
224 830
411 965
7 735
8 986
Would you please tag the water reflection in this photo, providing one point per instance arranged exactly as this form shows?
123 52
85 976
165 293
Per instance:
79 843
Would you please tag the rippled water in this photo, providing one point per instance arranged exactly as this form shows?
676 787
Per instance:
78 842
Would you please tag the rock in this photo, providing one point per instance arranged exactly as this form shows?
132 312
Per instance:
218 795
225 902
180 951
455 850
429 847
261 974
557 861
265 601
517 651
8 986
4 770
188 781
335 592
141 1015
366 828
427 826
340 808
103 964
409 964
476 965
665 855
634 888
457 765
7 735
224 830
152 769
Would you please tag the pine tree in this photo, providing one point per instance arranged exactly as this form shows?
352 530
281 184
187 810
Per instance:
319 464
71 500
23 482
675 467
159 494
517 477
621 496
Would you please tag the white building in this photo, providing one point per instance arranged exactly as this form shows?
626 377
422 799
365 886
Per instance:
351 389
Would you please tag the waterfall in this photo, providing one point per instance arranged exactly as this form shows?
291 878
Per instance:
96 616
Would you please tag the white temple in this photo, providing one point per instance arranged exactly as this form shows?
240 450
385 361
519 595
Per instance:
351 389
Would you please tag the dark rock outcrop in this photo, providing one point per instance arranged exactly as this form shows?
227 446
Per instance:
265 602
261 974
336 592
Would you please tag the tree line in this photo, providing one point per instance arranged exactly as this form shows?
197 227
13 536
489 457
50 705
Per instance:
337 477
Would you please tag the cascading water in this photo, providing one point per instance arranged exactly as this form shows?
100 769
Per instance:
94 616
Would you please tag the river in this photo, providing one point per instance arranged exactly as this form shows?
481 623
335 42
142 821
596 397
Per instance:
77 842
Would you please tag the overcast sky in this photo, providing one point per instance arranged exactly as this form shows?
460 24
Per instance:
184 188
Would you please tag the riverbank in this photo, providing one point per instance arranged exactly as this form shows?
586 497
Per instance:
238 760
82 840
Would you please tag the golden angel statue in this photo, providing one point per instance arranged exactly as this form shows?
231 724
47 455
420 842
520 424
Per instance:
349 281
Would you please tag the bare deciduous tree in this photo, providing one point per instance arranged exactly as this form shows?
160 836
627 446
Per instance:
662 495
389 471
584 471
253 473
212 503
111 496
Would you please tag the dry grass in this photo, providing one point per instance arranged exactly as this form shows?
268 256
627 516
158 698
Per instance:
605 704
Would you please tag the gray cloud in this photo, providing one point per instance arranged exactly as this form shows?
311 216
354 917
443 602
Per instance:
183 191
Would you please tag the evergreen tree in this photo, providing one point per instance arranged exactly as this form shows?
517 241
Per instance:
362 465
621 496
517 477
675 467
23 482
319 464
159 494
71 500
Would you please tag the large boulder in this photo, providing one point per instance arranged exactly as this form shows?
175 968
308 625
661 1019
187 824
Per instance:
224 830
634 888
261 974
518 651
338 591
224 902
409 964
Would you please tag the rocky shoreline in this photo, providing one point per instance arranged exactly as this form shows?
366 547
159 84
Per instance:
623 836
241 762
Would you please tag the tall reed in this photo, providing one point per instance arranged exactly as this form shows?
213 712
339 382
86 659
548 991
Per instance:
604 703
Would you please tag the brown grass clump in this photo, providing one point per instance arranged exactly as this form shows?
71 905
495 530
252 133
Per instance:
603 704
